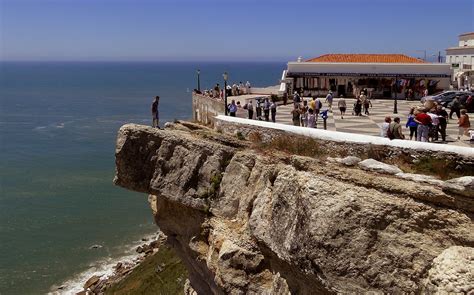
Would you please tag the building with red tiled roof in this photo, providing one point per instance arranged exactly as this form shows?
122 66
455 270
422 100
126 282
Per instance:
366 58
381 75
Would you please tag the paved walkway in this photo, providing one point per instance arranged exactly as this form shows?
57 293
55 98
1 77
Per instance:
369 125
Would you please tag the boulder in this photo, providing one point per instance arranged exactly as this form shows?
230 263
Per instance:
376 166
91 281
421 178
349 160
462 185
452 272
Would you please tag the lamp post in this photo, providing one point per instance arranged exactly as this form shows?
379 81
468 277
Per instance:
226 76
424 51
395 110
198 72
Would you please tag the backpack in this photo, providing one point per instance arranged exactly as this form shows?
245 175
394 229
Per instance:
320 104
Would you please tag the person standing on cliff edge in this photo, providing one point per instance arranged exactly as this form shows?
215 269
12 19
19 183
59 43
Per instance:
155 113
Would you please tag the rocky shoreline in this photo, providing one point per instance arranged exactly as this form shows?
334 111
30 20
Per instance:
99 283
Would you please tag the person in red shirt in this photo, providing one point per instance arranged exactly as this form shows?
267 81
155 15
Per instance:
424 122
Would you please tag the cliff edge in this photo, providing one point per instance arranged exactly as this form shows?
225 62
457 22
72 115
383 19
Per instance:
247 221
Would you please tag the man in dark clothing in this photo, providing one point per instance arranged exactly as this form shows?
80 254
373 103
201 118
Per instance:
443 121
266 109
154 112
455 108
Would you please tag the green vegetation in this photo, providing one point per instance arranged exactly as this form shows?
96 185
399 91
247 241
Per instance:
295 145
161 273
213 190
442 168
240 136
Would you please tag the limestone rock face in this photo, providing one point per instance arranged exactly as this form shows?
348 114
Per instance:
246 222
452 272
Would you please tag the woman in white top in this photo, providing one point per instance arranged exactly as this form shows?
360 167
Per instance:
385 126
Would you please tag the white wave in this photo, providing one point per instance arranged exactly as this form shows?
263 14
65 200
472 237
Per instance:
103 268
39 128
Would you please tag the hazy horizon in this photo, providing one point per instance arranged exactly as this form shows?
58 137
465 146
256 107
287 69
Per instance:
233 30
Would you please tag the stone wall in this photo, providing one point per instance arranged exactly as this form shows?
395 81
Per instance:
206 108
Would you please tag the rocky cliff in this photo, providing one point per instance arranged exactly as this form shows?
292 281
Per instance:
248 221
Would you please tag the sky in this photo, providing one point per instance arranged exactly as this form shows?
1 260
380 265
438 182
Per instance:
226 30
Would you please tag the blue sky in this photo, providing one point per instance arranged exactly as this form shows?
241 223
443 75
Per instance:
227 29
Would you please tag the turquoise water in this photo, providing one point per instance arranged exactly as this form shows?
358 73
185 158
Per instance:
58 123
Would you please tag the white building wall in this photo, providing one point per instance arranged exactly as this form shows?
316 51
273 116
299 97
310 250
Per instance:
369 68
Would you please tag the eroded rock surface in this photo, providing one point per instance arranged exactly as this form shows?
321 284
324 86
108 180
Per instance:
251 223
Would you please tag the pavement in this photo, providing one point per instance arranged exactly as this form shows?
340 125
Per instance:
369 125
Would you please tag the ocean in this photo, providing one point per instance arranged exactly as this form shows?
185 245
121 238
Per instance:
58 124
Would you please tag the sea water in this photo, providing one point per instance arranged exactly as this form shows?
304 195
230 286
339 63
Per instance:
58 124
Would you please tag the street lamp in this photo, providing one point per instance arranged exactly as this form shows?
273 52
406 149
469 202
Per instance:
226 76
199 80
424 51
395 110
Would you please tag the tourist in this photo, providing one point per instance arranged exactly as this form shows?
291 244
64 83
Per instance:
425 92
342 106
266 109
433 134
296 98
455 108
424 122
312 104
367 105
250 109
395 129
217 90
273 110
364 101
409 94
241 88
232 108
311 119
234 90
358 107
329 99
385 126
304 114
154 112
317 106
247 87
411 123
258 109
443 121
296 115
464 124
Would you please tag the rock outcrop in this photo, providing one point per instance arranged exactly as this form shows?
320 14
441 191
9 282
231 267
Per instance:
248 222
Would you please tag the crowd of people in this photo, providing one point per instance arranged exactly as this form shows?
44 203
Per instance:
425 124
231 90
265 109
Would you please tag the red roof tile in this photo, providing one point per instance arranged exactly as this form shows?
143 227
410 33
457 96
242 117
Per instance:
366 58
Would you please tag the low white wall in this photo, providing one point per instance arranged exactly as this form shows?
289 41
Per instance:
353 138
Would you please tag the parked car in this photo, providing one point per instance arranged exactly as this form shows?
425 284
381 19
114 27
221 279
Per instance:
442 97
